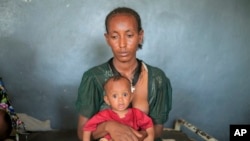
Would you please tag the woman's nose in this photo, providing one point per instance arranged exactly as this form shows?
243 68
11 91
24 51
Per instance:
123 42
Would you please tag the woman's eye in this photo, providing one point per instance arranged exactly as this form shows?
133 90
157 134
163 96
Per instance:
130 35
114 37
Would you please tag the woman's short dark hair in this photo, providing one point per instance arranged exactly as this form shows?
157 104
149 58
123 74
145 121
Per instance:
125 10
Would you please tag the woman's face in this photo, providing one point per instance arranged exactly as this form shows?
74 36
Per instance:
123 36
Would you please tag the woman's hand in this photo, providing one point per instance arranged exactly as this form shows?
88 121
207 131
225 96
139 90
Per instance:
120 132
144 135
117 131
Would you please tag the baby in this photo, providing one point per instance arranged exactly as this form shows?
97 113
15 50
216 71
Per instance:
118 96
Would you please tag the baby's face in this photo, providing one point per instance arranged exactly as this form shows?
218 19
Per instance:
118 94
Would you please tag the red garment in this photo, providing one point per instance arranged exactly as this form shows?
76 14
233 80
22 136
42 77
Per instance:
134 118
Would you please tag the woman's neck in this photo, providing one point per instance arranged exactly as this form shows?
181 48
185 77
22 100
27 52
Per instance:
126 68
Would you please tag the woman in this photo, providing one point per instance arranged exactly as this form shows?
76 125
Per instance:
152 89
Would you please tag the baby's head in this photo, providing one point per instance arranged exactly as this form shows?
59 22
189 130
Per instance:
5 124
118 92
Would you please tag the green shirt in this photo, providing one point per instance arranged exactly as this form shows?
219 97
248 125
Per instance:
90 92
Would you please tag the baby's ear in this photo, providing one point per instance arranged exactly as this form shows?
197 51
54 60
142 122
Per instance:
106 100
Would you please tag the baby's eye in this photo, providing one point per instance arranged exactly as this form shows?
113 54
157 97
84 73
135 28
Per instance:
114 96
125 94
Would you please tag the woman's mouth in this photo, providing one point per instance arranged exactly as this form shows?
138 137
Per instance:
123 54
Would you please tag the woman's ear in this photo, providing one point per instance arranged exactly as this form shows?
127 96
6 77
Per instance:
107 38
106 100
141 36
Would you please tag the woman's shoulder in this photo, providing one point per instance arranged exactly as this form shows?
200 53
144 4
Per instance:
157 74
98 68
99 73
153 70
101 70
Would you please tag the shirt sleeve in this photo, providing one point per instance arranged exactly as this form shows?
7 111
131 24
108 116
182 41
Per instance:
144 121
160 96
89 96
98 118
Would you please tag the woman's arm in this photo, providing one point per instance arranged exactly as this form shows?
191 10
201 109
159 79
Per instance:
155 132
117 131
100 131
81 122
158 129
86 136
150 134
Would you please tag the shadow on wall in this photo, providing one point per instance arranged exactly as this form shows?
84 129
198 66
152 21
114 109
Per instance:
17 69
28 88
31 89
65 113
17 65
